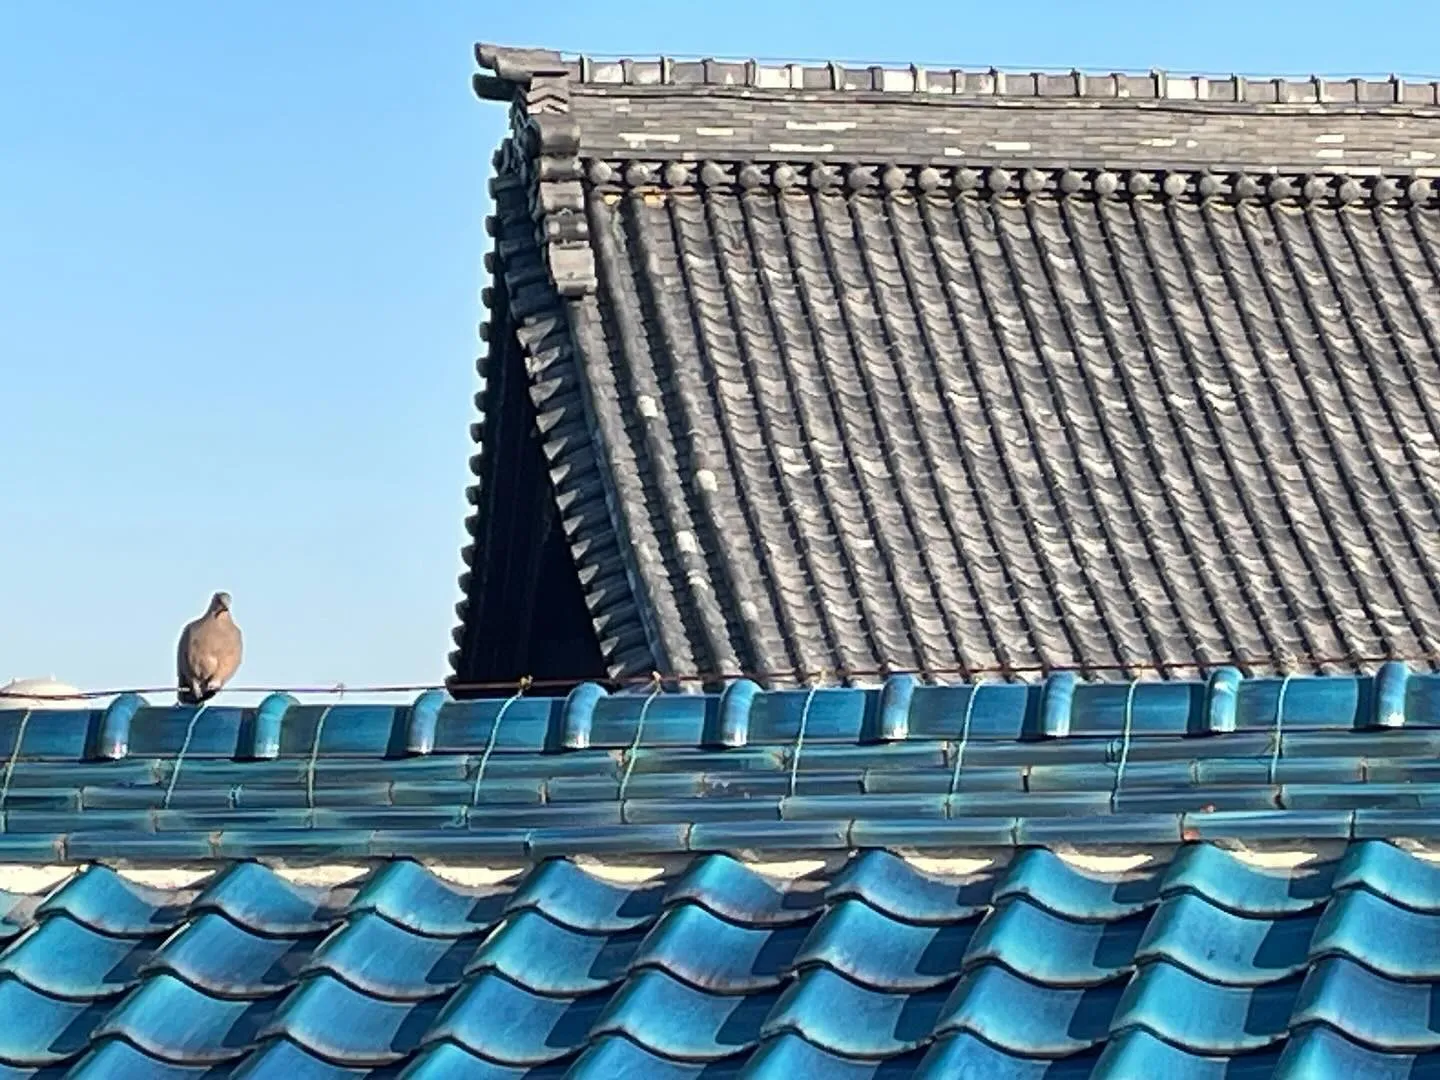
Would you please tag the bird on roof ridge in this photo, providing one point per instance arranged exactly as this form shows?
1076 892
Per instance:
209 653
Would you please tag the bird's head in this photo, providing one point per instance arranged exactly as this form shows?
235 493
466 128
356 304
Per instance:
219 602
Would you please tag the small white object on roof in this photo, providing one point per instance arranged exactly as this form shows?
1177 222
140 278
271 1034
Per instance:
46 693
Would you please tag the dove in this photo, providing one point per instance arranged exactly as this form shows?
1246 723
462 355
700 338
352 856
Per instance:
209 652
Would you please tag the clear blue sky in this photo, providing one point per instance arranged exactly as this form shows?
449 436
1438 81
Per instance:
240 256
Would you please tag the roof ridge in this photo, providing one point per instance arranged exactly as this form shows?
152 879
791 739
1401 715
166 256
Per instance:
517 66
902 709
1327 186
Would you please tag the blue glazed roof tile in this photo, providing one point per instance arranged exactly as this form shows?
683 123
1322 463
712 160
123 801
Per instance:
962 1054
543 956
1022 962
709 953
116 1059
349 1026
40 1029
1236 950
677 1020
65 959
883 953
403 892
617 1056
281 1059
170 1019
851 1020
442 1060
1387 871
1323 1051
1235 886
892 886
1202 1016
228 960
1028 1018
385 960
1137 1053
1055 950
571 897
100 898
53 1072
253 897
1059 763
1369 1007
1381 935
734 892
503 1022
1194 964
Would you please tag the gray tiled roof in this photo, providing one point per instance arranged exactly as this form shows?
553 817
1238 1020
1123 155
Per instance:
854 369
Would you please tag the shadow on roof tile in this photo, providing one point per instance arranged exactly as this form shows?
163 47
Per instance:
116 1059
255 896
678 1021
103 900
170 1019
582 901
698 947
1198 1015
1024 1018
538 953
1048 881
1054 950
1389 872
1138 1053
883 953
891 885
66 959
1246 890
227 960
961 1054
1368 1007
827 1009
1236 950
409 895
738 894
41 1030
385 960
503 1022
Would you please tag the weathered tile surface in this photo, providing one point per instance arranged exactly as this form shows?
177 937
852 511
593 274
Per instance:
1119 374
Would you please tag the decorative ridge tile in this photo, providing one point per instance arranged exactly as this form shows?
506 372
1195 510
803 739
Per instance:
1054 727
522 66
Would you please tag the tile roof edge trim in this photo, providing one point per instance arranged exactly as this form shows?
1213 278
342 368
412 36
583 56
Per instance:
902 710
528 306
976 836
1106 865
1295 185
518 67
